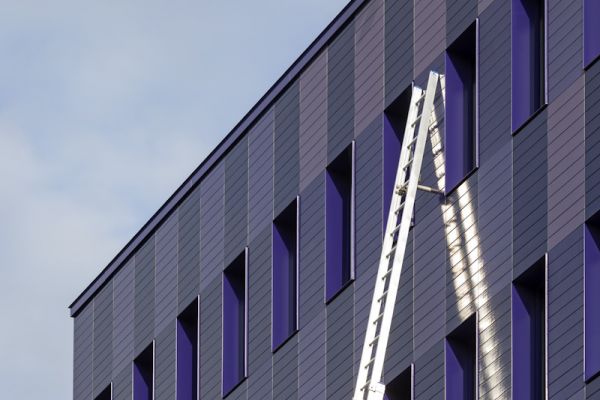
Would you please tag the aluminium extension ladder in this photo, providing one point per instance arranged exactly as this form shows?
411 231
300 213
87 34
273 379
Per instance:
368 383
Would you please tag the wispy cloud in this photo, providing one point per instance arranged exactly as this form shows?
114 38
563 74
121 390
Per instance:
105 108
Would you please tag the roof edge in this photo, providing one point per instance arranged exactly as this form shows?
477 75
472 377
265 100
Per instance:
218 152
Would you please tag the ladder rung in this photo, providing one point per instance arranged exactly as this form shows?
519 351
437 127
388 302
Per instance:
389 271
412 142
420 99
393 232
382 296
372 342
391 251
400 207
416 120
378 318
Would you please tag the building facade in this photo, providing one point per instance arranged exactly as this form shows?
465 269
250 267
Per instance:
254 280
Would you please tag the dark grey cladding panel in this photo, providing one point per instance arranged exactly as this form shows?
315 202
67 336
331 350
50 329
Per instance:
430 33
463 277
83 348
399 353
398 47
459 15
166 273
592 389
340 92
260 176
144 296
240 392
122 385
312 251
565 317
429 374
236 200
123 318
368 65
103 334
285 370
340 376
212 191
592 140
210 340
369 228
164 375
259 317
566 163
286 148
565 45
495 218
495 346
429 262
494 78
312 382
188 253
313 121
530 186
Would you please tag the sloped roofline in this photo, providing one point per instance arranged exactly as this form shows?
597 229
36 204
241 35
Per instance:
289 76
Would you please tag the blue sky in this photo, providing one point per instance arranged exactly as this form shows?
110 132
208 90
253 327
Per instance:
105 108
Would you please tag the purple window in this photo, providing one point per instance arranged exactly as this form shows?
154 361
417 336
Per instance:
106 394
400 388
338 223
187 353
234 323
143 368
528 59
285 245
592 299
591 31
528 334
394 121
461 361
461 105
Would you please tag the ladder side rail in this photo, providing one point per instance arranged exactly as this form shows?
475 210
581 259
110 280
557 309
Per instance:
407 212
405 155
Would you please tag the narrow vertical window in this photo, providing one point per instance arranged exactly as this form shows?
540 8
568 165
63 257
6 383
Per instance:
106 394
461 362
461 107
528 333
393 132
591 31
338 220
400 388
592 298
234 323
187 353
143 375
285 262
528 59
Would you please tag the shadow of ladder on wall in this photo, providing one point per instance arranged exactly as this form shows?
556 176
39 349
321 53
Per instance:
368 383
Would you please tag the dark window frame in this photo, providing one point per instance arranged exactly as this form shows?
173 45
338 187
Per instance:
591 304
461 120
143 369
339 242
231 281
285 238
462 353
529 79
188 338
529 325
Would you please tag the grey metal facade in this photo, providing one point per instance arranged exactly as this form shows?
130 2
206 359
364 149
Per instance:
528 198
